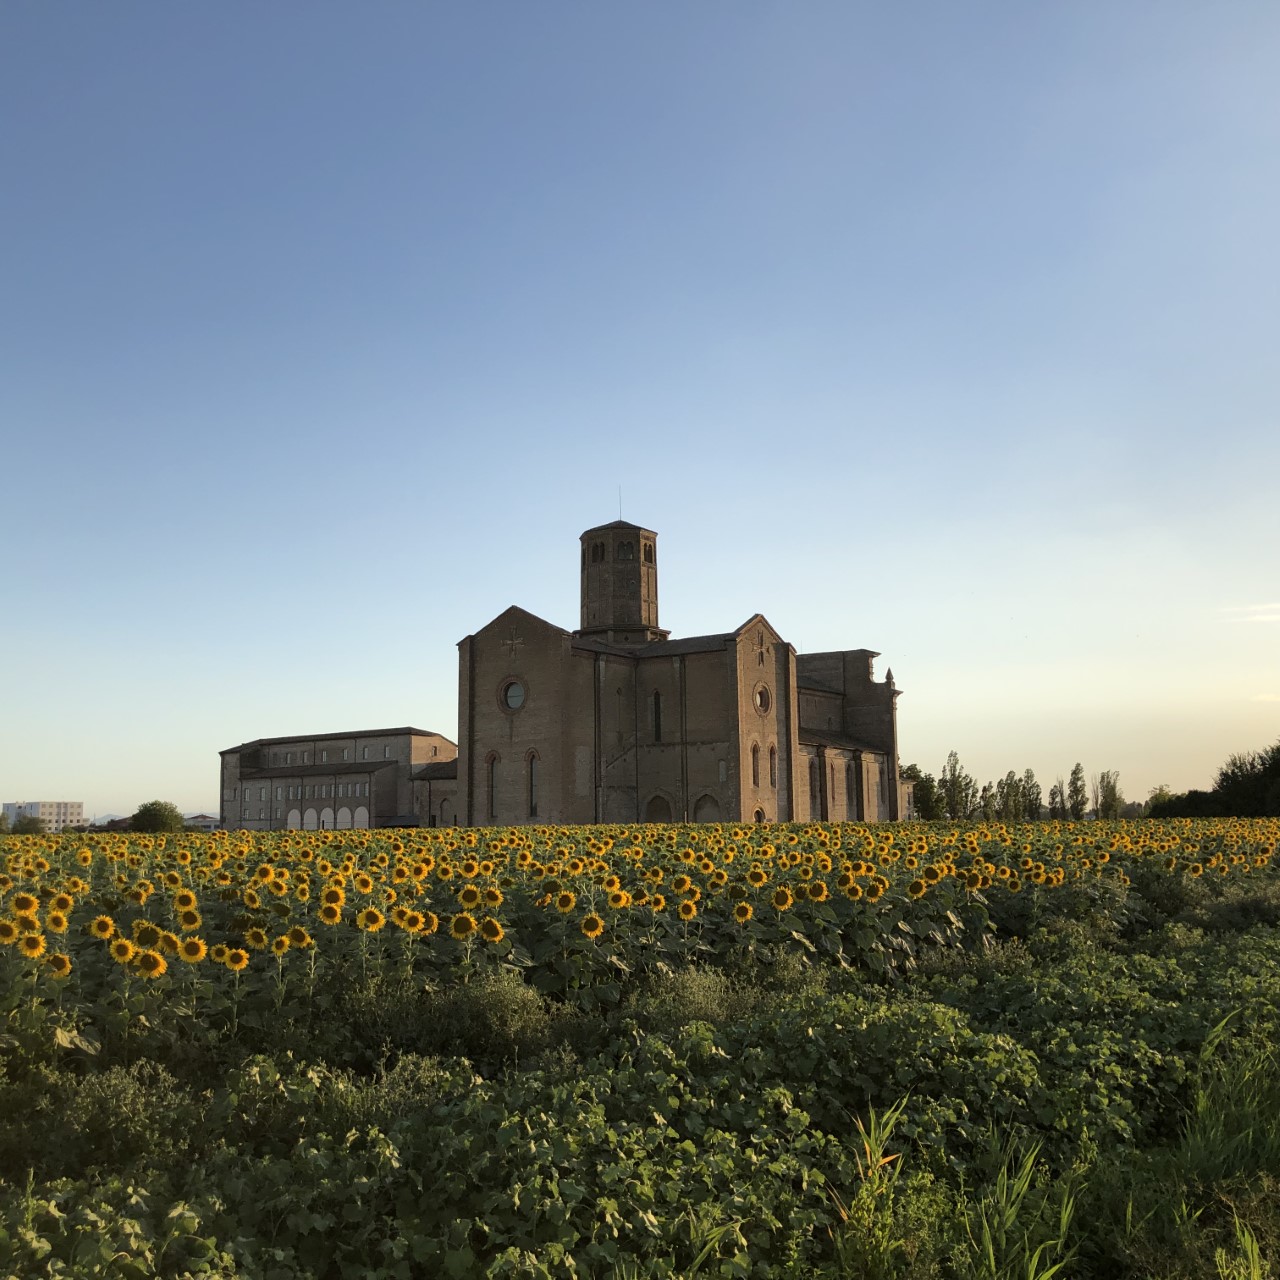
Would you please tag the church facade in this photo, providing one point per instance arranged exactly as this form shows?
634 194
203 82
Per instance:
617 721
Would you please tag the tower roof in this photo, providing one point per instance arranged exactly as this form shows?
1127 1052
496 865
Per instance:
616 524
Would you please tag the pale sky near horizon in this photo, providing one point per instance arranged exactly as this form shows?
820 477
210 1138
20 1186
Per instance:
945 331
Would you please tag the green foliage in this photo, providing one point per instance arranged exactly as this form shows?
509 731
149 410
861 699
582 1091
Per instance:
975 1084
1077 798
157 815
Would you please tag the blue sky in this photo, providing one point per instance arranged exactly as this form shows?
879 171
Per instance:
947 331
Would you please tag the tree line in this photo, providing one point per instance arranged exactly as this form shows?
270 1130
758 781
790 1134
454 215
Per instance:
1246 786
955 794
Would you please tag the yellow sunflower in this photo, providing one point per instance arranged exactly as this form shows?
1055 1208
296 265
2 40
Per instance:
463 925
59 965
151 964
491 930
192 949
592 926
237 960
31 945
122 950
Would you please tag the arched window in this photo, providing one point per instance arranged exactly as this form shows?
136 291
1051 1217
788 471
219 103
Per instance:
626 551
597 552
773 766
755 765
648 553
815 791
850 791
533 784
657 716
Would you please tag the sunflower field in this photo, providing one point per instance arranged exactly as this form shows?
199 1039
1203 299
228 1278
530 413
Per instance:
810 1050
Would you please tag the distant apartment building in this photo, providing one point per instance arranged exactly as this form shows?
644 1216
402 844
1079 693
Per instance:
201 822
336 781
55 814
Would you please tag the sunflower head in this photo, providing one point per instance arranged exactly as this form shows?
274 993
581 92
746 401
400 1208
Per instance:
592 926
491 930
237 960
192 949
463 925
371 920
122 950
31 945
151 964
59 965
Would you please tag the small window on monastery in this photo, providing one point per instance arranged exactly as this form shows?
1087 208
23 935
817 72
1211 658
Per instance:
512 695
324 757
724 771
648 553
626 551
657 716
597 552
755 765
288 757
386 753
763 699
364 753
533 785
345 753
434 750
773 766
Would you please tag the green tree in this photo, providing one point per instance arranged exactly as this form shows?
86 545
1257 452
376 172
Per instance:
1110 797
157 815
27 825
959 791
1031 799
987 803
930 804
1077 796
1009 798
1248 785
1058 801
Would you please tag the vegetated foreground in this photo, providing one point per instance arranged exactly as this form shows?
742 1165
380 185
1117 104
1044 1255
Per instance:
831 1049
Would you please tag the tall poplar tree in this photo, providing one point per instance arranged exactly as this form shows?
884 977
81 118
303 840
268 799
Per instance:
1077 795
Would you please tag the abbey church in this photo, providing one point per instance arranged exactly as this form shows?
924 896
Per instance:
614 722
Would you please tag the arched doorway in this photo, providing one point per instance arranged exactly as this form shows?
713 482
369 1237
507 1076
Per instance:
326 819
310 820
344 819
658 810
707 809
294 820
361 817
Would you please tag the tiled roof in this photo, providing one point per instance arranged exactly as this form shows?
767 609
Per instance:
437 769
331 737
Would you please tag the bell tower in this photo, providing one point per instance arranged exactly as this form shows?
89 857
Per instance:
620 584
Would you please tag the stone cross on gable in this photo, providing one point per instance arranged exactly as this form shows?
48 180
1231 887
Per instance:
761 648
513 642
